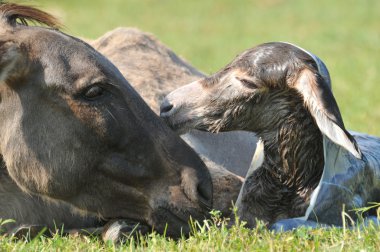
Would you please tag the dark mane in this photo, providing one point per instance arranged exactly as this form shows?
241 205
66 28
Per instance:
24 14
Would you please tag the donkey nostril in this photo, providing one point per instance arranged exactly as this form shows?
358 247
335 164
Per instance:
205 195
165 107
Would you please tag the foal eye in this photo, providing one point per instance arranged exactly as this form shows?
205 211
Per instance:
93 92
247 83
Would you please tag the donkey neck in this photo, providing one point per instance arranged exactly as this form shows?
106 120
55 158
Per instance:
294 150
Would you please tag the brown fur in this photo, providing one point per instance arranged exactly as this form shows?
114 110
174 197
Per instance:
13 12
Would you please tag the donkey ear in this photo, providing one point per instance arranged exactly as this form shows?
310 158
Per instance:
9 56
321 103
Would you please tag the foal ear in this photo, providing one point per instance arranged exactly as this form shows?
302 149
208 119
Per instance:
9 56
321 103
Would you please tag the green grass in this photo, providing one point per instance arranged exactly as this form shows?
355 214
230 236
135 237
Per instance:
214 235
344 33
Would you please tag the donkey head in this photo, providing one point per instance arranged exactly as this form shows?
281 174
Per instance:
72 128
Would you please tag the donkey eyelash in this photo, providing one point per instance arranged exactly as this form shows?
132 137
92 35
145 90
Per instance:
93 92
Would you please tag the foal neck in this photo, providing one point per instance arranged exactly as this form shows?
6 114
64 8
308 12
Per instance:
294 151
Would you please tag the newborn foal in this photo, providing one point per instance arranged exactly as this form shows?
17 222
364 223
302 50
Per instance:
283 94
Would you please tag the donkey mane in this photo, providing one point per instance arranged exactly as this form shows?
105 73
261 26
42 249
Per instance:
24 14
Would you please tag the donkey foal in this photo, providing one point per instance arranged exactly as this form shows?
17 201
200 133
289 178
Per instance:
283 94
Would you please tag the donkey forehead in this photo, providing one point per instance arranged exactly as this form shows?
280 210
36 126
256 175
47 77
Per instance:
65 59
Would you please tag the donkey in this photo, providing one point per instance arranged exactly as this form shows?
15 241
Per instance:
283 94
73 130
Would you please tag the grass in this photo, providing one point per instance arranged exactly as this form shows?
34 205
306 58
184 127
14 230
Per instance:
344 33
214 235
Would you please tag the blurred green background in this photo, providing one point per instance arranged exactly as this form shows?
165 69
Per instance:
209 34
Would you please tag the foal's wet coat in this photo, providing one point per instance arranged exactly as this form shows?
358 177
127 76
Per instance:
282 93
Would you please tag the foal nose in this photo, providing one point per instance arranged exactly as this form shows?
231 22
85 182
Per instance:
166 108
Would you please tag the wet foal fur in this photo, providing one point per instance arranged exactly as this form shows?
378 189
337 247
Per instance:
73 130
276 91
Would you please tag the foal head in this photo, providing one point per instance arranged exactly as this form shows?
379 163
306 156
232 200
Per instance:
256 92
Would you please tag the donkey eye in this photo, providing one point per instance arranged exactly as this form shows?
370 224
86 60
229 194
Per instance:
247 83
93 92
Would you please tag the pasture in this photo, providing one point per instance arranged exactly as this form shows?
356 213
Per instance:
208 34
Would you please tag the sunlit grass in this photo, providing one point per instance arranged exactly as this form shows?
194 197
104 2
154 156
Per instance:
215 235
